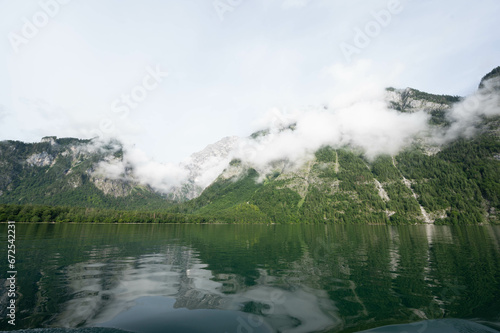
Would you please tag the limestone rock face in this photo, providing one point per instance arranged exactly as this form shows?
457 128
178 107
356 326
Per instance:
412 100
40 160
64 171
204 167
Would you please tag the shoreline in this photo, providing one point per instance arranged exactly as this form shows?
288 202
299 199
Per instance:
266 224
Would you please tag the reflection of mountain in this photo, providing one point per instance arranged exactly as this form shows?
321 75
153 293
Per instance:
101 291
296 278
389 275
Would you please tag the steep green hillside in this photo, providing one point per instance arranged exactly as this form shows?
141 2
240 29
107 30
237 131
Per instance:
458 185
455 183
59 172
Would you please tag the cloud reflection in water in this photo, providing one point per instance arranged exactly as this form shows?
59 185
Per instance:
116 292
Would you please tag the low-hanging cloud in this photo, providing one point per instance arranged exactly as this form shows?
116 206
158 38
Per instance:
136 166
200 169
361 119
369 125
467 114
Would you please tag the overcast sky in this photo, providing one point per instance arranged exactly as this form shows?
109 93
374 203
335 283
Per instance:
82 68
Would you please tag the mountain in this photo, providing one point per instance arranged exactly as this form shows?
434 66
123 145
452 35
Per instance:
64 172
491 77
452 183
204 167
74 172
457 185
448 174
412 100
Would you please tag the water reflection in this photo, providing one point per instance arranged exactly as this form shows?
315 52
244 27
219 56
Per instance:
255 278
104 292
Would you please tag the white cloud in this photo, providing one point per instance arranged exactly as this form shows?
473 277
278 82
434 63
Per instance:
467 114
137 166
368 125
294 136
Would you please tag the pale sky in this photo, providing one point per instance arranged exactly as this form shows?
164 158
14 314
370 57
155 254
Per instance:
84 67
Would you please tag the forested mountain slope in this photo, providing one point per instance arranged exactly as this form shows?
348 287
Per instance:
63 172
457 182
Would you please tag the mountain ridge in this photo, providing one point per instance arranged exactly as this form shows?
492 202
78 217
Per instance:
454 182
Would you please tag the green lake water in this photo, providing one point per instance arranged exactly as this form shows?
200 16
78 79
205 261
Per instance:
253 278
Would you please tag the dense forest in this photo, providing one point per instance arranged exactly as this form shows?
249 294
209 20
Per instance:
38 213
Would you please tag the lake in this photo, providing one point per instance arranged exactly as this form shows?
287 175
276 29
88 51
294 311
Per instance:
254 278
